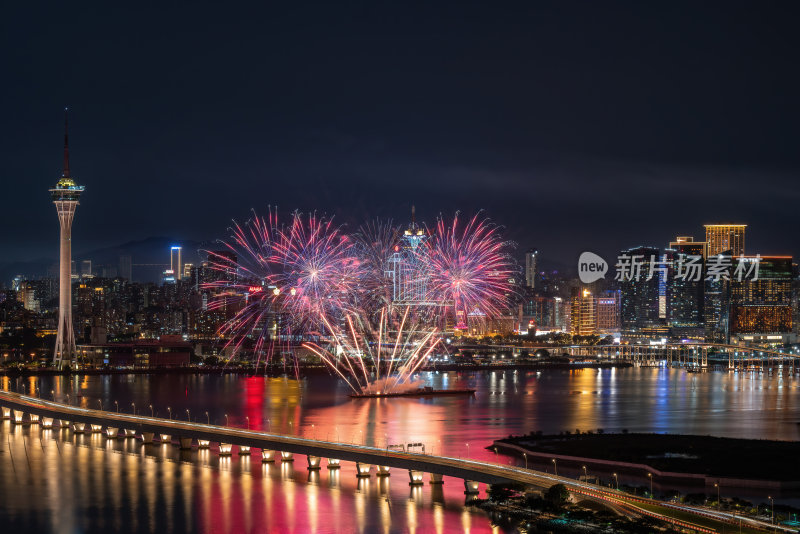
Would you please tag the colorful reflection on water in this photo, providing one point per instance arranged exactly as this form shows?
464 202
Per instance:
54 481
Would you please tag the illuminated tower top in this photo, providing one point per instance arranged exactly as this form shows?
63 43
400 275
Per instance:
414 235
66 189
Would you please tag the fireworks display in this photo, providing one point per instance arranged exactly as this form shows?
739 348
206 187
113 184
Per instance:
371 306
467 266
378 359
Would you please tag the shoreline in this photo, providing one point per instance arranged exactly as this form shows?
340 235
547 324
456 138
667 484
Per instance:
280 370
668 459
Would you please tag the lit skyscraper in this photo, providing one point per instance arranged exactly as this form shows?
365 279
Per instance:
530 267
65 196
175 264
686 295
725 237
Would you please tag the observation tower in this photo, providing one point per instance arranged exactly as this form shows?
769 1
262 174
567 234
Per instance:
65 196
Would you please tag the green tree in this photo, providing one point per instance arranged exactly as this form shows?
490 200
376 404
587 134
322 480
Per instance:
557 495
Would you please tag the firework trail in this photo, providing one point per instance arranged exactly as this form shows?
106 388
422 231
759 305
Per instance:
376 241
378 358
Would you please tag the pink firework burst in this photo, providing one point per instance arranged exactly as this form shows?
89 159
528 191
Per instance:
316 268
467 266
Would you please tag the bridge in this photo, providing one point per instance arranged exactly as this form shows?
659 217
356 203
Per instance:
22 409
686 355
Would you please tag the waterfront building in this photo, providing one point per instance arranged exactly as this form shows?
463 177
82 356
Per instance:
582 320
640 295
716 306
685 293
607 311
167 351
65 195
725 237
761 309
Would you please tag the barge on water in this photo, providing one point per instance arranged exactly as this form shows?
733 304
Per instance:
421 392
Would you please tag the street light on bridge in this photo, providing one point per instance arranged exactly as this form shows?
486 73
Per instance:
555 466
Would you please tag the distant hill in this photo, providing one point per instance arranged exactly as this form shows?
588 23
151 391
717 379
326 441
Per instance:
149 256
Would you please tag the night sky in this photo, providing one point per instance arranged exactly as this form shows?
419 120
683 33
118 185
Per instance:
578 126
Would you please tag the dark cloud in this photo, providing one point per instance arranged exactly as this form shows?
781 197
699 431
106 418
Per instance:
576 125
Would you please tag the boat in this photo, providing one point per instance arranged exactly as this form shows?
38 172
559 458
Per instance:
426 391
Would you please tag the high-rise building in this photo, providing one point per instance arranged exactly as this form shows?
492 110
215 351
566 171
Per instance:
65 195
640 302
685 289
86 269
717 304
725 237
531 259
175 264
222 265
607 311
126 267
763 306
582 312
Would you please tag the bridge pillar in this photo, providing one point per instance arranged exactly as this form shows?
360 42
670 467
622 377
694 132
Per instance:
6 413
130 433
436 478
47 422
382 471
471 487
63 424
78 428
225 449
111 432
333 463
147 437
34 419
165 438
96 428
313 462
362 470
185 443
203 444
244 450
17 417
287 456
267 456
416 478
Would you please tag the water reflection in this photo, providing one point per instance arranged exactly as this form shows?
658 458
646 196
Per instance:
59 481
